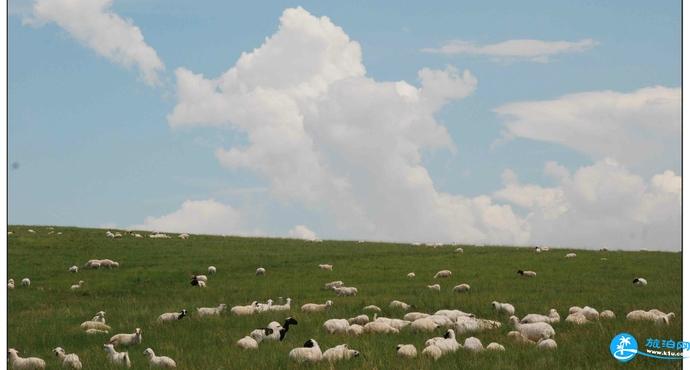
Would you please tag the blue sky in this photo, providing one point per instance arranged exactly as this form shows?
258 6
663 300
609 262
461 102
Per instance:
95 146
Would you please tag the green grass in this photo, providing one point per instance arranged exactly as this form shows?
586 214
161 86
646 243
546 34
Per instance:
153 278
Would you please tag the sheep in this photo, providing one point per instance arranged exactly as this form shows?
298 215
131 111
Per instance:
309 352
333 284
533 331
537 250
466 324
172 316
109 263
547 344
380 327
443 274
314 307
117 358
280 331
412 316
159 236
473 344
326 267
126 339
570 255
435 287
442 320
461 288
212 270
27 363
99 317
109 235
545 249
31 231
639 282
159 361
590 313
453 314
493 346
411 275
372 308
202 284
653 315
424 325
260 271
346 291
78 285
138 236
68 360
432 351
94 325
244 310
95 331
607 315
528 274
26 282
459 250
399 305
93 264
10 284
519 337
360 320
577 318
396 323
406 350
73 269
183 236
552 317
503 308
248 343
336 326
339 352
281 307
118 235
203 278
447 343
210 311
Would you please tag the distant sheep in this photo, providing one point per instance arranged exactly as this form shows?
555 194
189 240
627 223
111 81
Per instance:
314 307
212 270
117 358
336 326
281 307
26 363
443 274
77 286
607 315
570 255
412 316
244 310
503 308
210 311
493 346
260 271
380 327
519 337
435 287
406 350
424 324
183 236
552 317
459 250
26 282
326 267
74 269
309 352
432 351
339 353
547 344
411 275
533 331
640 282
10 284
372 308
461 288
333 284
94 325
172 316
95 331
528 274
360 319
126 339
399 305
248 343
473 344
346 291
68 360
159 361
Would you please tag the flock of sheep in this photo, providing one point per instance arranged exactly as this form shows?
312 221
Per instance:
533 328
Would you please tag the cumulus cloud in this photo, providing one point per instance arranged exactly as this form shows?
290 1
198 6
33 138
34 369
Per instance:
603 204
640 129
94 24
328 137
515 50
302 232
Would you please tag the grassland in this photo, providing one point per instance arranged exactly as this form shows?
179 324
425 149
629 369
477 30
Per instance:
153 278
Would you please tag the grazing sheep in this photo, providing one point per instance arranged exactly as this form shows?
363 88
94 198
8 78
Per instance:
503 308
109 235
355 329
459 250
27 363
339 352
212 270
570 255
94 325
360 320
172 316
159 236
411 275
447 343
424 325
519 337
443 274
473 344
315 307
95 331
117 358
527 273
336 326
533 331
78 285
432 351
380 327
406 350
333 284
309 352
547 344
607 315
159 361
493 346
68 360
10 284
93 264
640 282
248 343
244 310
399 305
74 269
183 236
461 288
210 311
26 282
126 339
465 324
372 308
453 314
577 318
281 307
552 317
435 287
590 313
203 278
280 331
412 316
326 267
346 291
260 271
653 315
263 307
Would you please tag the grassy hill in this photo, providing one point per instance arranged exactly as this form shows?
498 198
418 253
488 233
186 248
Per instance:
154 278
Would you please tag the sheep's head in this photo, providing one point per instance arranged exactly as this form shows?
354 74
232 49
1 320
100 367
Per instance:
58 351
513 320
450 334
329 303
137 331
148 353
12 352
290 321
108 347
310 343
494 304
520 272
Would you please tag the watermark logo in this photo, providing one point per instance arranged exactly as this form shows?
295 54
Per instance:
624 348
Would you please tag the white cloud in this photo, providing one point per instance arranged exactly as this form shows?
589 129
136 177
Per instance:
514 50
603 204
640 129
302 232
329 138
94 24
200 217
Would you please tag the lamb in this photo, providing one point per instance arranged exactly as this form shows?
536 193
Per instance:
473 344
412 316
26 282
10 284
314 307
533 331
68 360
309 352
346 291
547 344
74 269
210 311
406 350
435 287
443 274
639 282
399 305
212 270
493 346
117 358
432 351
380 327
528 274
424 325
503 308
78 285
281 307
126 339
280 331
339 352
360 320
461 288
372 308
411 275
27 363
333 284
244 310
172 316
260 271
552 317
570 255
607 315
326 267
336 326
248 343
159 361
94 325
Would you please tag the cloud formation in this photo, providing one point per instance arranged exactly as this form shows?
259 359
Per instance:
514 50
95 25
302 232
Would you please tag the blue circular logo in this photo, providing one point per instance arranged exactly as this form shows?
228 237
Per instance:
623 347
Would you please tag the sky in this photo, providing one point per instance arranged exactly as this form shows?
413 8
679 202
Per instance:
511 123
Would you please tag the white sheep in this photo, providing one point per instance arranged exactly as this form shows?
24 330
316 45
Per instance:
447 343
31 231
93 264
94 325
467 324
115 357
380 327
260 271
432 351
453 314
315 307
552 317
412 316
326 267
99 317
78 285
172 316
68 360
443 274
26 282
424 324
459 250
533 331
406 350
473 344
359 319
372 308
212 270
519 337
590 313
203 278
396 323
333 284
309 352
570 255
528 274
95 331
547 344
493 346
159 361
263 307
74 269
537 250
461 288
411 275
183 236
607 315
434 287
336 326
577 318
24 363
281 307
442 321
109 235
355 329
126 339
503 308
210 311
653 315
248 343
159 236
339 352
244 310
399 305
10 284
346 291
640 282
138 236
